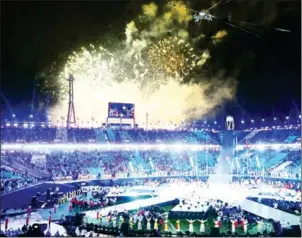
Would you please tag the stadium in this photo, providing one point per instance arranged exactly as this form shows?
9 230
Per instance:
232 182
163 127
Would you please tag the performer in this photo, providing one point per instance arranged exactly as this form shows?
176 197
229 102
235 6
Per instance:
108 220
148 223
139 224
233 226
131 222
202 226
113 221
236 224
70 207
54 208
121 221
178 225
191 228
217 223
166 228
155 224
103 218
98 215
259 226
245 222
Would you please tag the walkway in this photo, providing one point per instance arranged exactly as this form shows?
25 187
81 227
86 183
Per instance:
269 212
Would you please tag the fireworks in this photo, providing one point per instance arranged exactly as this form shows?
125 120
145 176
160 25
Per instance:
88 65
147 69
172 55
102 77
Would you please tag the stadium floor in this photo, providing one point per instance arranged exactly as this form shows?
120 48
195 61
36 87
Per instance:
22 198
12 200
63 210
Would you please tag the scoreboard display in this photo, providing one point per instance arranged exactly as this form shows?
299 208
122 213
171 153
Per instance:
121 110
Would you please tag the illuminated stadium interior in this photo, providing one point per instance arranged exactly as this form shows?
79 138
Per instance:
151 118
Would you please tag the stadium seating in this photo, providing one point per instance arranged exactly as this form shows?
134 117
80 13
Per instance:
274 162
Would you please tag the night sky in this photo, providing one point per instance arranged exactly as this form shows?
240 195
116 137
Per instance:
35 34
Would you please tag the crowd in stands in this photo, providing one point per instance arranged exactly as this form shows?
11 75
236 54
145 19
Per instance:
270 162
44 133
118 163
19 134
11 134
12 179
97 164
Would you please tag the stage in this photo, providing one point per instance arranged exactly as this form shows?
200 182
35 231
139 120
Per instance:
135 205
167 194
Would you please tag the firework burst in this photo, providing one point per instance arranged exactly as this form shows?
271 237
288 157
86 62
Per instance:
147 69
172 55
94 65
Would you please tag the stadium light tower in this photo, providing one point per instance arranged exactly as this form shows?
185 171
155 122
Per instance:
71 118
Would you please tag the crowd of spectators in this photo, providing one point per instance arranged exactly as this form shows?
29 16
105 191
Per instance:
12 180
75 164
268 162
96 164
38 133
118 163
12 133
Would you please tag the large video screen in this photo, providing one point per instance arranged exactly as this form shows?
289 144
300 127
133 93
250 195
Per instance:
121 110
